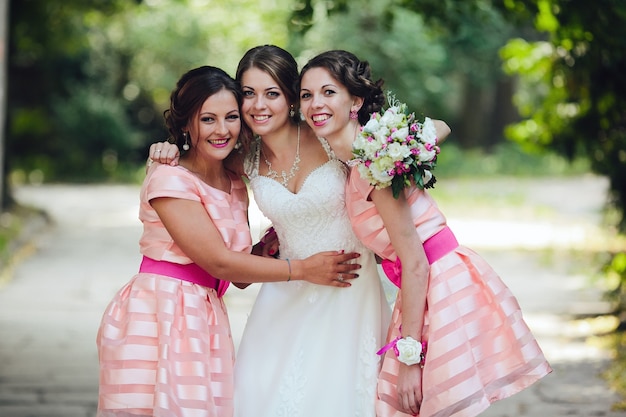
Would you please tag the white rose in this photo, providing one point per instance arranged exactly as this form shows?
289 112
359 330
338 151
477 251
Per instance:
424 154
366 174
409 350
428 133
381 134
384 163
379 170
393 119
371 126
359 142
371 148
398 151
388 117
401 133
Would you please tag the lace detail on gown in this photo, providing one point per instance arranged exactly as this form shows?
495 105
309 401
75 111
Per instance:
315 214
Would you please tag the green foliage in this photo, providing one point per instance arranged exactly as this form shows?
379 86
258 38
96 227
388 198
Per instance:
89 80
506 159
572 92
441 57
401 50
615 272
616 373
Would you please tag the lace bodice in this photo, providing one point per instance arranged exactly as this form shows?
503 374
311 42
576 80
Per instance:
312 220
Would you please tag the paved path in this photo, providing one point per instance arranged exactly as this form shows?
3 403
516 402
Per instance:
51 307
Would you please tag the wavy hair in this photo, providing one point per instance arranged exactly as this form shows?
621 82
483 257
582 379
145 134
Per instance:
280 65
355 75
191 91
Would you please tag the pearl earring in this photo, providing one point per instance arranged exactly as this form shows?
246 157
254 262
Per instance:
186 144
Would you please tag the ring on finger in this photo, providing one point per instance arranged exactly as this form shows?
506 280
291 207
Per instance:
158 151
340 278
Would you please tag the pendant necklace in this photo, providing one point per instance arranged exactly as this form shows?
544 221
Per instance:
284 175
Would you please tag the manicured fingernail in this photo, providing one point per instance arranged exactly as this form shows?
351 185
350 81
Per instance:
272 251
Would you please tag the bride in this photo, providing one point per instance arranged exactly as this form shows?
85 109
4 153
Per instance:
306 350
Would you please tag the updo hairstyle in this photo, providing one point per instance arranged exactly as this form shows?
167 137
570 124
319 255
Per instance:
191 91
355 75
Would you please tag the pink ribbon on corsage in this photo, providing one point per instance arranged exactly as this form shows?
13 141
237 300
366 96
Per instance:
394 345
391 345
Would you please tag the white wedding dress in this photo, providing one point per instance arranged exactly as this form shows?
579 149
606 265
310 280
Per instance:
309 350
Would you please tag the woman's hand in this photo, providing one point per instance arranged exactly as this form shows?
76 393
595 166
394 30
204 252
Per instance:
268 246
268 250
164 153
327 268
410 388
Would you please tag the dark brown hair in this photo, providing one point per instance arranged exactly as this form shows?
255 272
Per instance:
280 65
355 75
191 91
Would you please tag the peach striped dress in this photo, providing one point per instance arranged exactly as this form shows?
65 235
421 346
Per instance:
164 344
480 350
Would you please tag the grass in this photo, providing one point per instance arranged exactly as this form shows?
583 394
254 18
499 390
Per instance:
14 244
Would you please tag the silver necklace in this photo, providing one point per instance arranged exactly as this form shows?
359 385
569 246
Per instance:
284 175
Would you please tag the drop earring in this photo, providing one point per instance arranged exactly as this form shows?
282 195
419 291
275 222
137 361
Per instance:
186 144
354 114
292 112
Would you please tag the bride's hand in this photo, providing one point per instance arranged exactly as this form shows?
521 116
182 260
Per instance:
335 269
164 153
270 244
268 248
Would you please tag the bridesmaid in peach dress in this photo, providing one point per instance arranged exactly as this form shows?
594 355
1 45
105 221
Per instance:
164 343
457 341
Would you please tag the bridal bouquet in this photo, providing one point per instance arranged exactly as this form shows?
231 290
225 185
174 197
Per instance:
394 149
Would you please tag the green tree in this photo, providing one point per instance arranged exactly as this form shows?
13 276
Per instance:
63 116
89 80
440 56
572 92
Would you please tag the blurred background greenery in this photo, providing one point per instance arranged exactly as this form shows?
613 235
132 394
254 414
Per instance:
529 87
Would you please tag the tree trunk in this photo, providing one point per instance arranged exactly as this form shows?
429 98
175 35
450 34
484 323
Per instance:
472 116
4 46
503 112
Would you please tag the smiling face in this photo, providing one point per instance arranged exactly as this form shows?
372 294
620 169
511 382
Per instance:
265 108
326 105
214 130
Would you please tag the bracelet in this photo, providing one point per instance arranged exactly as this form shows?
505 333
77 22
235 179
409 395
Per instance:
408 350
289 264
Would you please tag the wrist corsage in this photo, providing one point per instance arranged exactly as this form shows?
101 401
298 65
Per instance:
394 149
408 350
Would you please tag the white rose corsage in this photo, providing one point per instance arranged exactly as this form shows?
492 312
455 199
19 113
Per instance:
408 350
394 149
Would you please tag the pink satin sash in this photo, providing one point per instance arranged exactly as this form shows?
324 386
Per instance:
188 272
436 247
